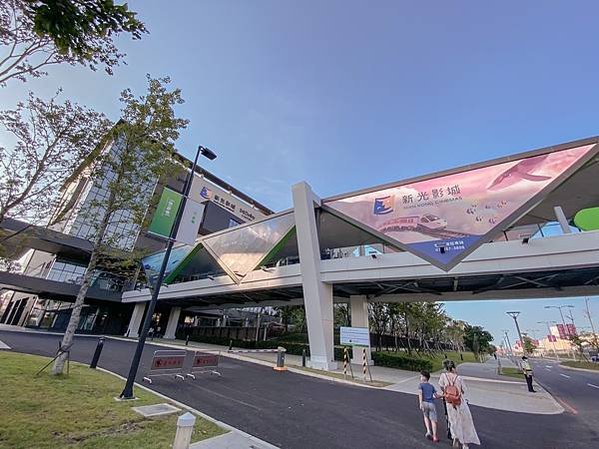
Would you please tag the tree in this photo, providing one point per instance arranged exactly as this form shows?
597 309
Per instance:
51 139
341 314
529 345
125 169
476 339
377 318
36 34
578 343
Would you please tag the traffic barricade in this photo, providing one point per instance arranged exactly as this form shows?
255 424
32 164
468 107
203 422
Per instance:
204 362
167 363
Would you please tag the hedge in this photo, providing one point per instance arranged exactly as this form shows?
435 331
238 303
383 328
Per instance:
401 361
292 347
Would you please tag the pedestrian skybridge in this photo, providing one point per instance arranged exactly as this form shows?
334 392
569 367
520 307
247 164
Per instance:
523 226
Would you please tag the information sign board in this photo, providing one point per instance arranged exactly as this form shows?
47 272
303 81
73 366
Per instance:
355 336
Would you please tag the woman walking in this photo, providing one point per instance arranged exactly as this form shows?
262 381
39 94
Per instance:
460 418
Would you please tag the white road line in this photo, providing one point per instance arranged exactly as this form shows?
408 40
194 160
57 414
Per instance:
548 366
564 375
594 386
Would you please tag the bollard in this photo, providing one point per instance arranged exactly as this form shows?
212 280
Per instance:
185 425
345 357
280 359
97 353
230 345
187 340
304 358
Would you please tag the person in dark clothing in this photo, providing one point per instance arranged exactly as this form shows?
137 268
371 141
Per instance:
527 370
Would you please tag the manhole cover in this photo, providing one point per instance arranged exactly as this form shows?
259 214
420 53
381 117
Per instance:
156 410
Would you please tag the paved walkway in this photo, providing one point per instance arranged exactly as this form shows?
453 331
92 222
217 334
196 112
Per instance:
232 440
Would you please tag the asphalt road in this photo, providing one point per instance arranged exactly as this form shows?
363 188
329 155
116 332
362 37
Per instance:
294 411
577 391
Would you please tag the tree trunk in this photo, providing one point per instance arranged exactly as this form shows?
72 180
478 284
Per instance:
69 334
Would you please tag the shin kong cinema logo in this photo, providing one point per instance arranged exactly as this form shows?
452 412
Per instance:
383 205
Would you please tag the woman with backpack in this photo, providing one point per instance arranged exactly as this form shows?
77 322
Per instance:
458 412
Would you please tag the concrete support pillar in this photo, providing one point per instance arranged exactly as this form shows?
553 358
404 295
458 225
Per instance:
318 296
173 321
359 318
561 218
135 322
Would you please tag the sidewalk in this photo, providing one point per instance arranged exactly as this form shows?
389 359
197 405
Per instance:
485 387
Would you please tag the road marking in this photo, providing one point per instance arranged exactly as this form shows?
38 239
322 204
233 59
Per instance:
564 375
594 386
548 366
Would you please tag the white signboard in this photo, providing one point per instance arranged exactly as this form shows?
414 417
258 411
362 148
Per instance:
203 190
355 336
190 222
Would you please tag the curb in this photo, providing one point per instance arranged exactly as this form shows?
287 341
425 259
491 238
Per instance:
594 371
197 412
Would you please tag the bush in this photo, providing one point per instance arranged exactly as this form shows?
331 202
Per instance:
401 361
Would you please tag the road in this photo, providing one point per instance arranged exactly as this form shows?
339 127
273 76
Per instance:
577 391
294 411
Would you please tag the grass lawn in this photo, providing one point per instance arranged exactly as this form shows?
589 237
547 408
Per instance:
78 410
584 365
513 372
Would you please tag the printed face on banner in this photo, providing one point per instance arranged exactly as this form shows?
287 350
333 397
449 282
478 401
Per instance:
443 219
240 250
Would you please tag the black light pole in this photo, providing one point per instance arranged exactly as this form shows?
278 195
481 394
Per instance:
128 390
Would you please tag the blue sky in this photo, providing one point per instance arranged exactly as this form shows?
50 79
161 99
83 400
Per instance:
349 94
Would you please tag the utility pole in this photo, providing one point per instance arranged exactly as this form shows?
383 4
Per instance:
127 392
514 315
588 314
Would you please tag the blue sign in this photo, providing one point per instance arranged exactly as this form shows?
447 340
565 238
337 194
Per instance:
206 193
384 205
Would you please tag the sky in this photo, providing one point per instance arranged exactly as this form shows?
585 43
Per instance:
350 94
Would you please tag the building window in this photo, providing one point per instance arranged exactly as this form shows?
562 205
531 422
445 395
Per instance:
66 272
233 223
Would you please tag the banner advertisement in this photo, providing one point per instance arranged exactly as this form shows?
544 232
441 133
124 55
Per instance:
190 222
241 250
166 212
443 219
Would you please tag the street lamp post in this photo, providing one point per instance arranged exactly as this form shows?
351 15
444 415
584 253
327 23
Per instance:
560 310
566 306
127 392
514 315
509 345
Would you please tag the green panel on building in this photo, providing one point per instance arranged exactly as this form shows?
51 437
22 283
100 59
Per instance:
164 217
